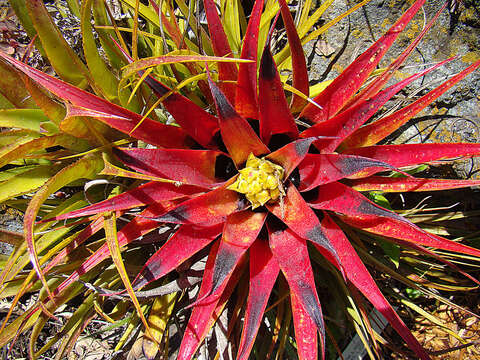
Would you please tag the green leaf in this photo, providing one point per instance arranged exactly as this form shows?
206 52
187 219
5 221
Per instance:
29 119
65 62
86 167
25 182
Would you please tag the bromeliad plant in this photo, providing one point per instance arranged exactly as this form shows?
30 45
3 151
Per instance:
252 186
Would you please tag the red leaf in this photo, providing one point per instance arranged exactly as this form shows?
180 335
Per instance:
361 213
299 64
186 242
204 316
149 193
292 154
345 123
349 81
84 103
375 86
246 96
359 276
372 133
238 136
240 231
198 123
305 331
226 71
193 167
414 154
275 116
263 274
388 184
401 230
195 121
206 209
91 229
291 253
319 169
130 232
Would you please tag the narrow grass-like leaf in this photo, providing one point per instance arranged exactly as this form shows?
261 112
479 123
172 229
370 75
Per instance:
158 318
102 76
65 62
29 119
86 104
26 182
114 248
83 168
199 124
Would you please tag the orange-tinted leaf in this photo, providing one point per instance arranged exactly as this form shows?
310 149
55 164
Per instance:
345 123
291 154
275 115
301 219
352 78
209 208
237 134
221 48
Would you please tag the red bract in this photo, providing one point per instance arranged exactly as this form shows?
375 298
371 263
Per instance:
245 190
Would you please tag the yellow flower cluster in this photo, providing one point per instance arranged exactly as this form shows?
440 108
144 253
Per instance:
260 181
